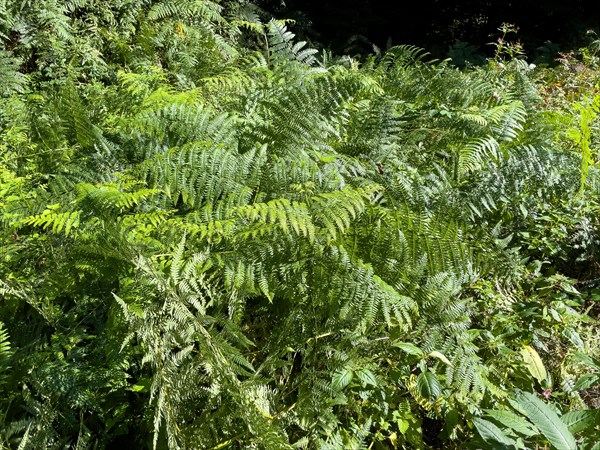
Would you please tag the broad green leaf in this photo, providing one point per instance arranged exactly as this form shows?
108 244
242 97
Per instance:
326 158
574 337
491 433
366 376
588 360
137 310
523 209
513 421
546 420
534 363
578 421
341 379
587 381
451 422
409 348
402 425
429 386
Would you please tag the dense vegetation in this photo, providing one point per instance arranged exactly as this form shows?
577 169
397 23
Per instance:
215 237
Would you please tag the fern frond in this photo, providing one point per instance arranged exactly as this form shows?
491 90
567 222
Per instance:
184 9
479 154
508 120
54 221
5 349
200 174
336 210
12 80
109 197
282 48
179 123
285 215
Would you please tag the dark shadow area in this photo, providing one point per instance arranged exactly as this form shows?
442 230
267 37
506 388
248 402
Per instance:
354 26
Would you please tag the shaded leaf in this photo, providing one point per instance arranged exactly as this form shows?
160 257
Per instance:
341 379
546 420
491 433
512 421
588 360
429 386
586 381
366 376
584 420
409 348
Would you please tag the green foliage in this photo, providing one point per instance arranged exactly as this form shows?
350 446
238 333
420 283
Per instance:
582 135
5 350
216 238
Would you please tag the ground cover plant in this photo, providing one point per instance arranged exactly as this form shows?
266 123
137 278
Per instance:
214 236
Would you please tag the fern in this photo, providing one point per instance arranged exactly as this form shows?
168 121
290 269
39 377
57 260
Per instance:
184 310
5 350
54 221
214 246
282 47
13 80
184 9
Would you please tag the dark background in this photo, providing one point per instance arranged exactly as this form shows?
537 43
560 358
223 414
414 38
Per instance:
353 26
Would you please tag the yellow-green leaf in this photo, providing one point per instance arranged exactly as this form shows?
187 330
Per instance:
441 357
534 363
